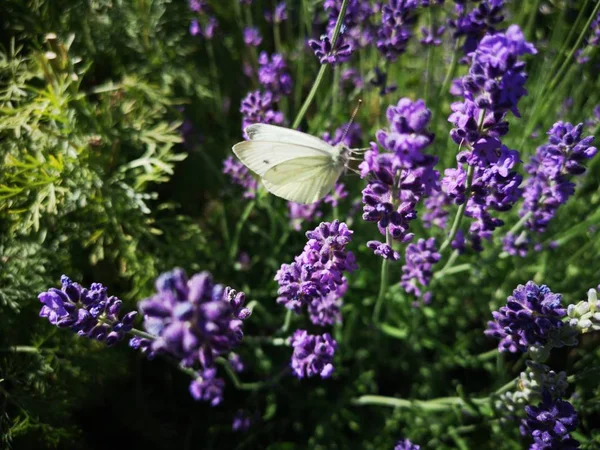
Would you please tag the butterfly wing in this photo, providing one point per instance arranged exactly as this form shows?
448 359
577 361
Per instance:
261 156
302 180
273 133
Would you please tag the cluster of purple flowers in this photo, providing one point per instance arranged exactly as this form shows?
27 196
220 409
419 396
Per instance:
379 80
395 30
327 52
357 29
252 36
313 354
240 175
273 75
550 424
88 312
549 184
493 86
532 317
432 36
419 260
258 107
316 280
204 25
476 23
278 15
405 444
400 176
194 321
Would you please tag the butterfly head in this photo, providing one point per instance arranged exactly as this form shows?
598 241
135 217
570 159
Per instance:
341 155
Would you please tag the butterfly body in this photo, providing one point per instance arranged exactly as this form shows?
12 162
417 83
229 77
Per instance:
293 165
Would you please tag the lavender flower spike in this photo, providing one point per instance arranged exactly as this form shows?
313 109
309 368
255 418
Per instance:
313 354
532 313
405 444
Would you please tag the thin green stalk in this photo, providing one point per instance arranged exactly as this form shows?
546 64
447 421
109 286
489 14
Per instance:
322 70
461 211
430 52
237 383
383 283
258 340
239 227
287 322
277 38
335 90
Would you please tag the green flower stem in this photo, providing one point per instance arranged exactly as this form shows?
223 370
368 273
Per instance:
317 82
449 270
238 384
461 211
434 405
430 54
233 250
383 283
287 322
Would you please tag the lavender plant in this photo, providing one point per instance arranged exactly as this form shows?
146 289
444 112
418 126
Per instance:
443 295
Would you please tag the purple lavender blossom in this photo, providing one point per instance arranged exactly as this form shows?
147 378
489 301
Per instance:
88 312
252 36
194 320
493 87
351 134
436 212
241 422
329 54
379 80
420 258
236 363
532 313
278 15
197 5
431 36
549 184
240 175
550 423
394 32
478 22
195 28
351 79
257 107
273 74
384 250
313 354
208 387
357 22
402 175
315 279
405 444
339 193
298 213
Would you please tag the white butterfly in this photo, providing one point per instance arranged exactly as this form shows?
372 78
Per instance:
293 165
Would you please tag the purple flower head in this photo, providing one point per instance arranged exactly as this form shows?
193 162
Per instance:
241 421
394 32
194 28
402 175
278 15
550 170
379 80
384 250
257 107
315 279
194 320
328 53
88 312
356 23
417 270
531 314
252 36
298 213
431 36
405 444
208 387
550 424
313 354
273 74
476 23
198 6
351 79
351 134
339 192
240 174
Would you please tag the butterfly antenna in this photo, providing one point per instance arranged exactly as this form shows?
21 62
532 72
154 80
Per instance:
351 120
